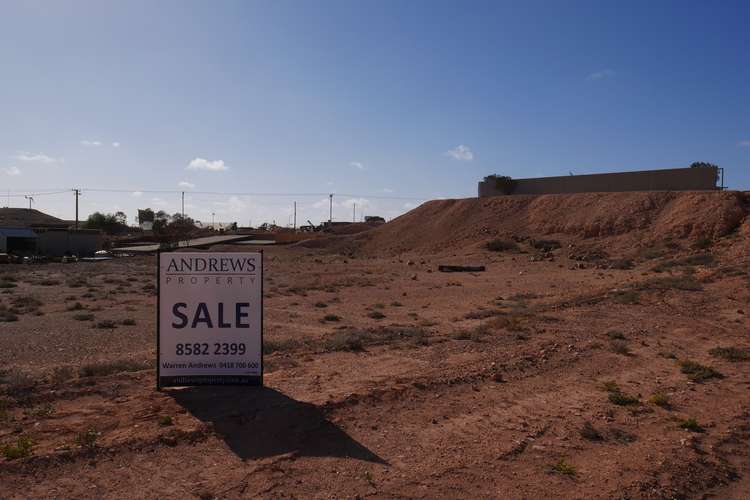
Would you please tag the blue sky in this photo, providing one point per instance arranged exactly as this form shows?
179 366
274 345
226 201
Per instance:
367 99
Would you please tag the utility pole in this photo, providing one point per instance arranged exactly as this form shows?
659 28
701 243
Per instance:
30 198
212 221
183 204
295 216
77 194
330 209
354 212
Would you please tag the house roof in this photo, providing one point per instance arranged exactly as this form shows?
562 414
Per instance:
28 217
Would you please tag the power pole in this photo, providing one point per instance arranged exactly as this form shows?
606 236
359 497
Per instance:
183 204
30 198
77 194
330 209
295 216
354 212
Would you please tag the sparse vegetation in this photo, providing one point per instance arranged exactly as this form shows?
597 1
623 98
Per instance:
75 307
660 399
622 399
734 354
21 449
128 322
616 335
697 372
346 341
331 317
375 315
83 317
626 297
106 324
498 245
588 431
272 346
321 305
691 424
563 467
620 347
87 439
110 367
165 421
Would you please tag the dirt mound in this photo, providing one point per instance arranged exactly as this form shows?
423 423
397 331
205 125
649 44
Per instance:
624 218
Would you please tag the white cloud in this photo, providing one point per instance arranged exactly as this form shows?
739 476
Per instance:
94 144
387 190
186 184
461 153
744 144
601 74
115 144
233 205
12 171
35 157
324 203
137 194
210 165
357 165
360 202
159 202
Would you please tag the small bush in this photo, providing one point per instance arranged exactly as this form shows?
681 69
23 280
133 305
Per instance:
616 335
128 322
588 431
702 243
271 346
660 399
375 315
75 307
626 297
498 245
106 324
7 284
622 399
321 305
87 439
83 317
110 367
21 449
165 421
697 372
346 341
691 424
563 467
49 282
331 317
734 354
396 303
620 347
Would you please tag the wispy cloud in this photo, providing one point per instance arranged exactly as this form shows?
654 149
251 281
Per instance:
357 165
137 194
186 184
233 205
92 144
323 202
387 190
35 157
601 74
115 144
744 144
12 170
461 153
210 165
159 202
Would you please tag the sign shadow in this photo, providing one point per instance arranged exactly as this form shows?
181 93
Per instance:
259 422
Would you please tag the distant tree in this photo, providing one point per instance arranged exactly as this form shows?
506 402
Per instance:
109 223
703 164
169 231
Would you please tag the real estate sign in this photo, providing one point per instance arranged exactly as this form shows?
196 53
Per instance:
210 318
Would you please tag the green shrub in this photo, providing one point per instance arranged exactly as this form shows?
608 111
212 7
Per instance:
110 367
271 346
165 421
697 372
691 424
128 322
375 315
622 399
87 439
562 467
660 399
734 354
21 449
83 317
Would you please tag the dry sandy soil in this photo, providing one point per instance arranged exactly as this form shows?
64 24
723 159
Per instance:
585 371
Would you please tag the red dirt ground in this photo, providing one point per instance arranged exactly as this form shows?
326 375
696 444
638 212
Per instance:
469 385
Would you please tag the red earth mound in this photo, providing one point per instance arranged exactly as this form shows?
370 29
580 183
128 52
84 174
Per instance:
625 219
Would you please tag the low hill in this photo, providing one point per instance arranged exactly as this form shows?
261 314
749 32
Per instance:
624 219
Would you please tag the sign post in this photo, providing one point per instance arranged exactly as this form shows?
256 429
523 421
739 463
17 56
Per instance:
210 319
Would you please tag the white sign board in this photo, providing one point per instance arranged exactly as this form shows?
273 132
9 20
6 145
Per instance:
210 318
